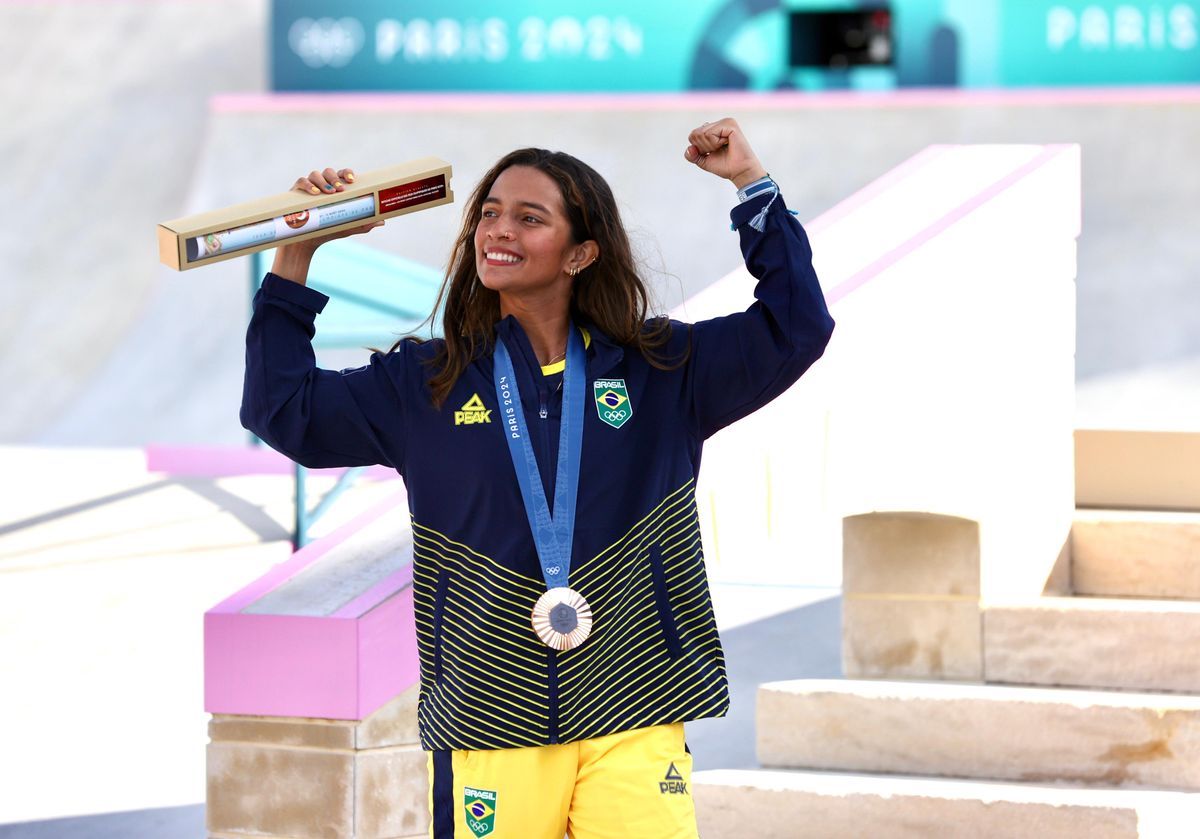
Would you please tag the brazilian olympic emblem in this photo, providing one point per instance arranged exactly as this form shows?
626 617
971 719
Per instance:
612 401
480 805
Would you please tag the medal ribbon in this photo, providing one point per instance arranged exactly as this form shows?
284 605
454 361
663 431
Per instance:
552 534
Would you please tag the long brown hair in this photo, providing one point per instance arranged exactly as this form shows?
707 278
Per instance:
609 293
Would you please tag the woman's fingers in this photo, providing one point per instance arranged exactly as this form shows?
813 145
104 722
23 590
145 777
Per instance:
334 179
326 182
712 136
708 145
694 155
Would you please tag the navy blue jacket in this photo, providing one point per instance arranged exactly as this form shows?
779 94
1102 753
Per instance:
654 655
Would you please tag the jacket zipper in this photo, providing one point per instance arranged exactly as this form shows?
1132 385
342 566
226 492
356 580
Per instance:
552 666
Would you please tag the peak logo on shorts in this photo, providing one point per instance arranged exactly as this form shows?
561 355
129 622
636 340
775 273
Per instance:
673 783
474 411
612 401
480 805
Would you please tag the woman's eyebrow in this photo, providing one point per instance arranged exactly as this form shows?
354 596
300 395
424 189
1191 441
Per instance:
533 204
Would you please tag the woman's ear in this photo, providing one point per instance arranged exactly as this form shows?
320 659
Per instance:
582 256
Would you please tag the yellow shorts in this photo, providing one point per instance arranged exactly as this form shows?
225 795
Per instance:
630 784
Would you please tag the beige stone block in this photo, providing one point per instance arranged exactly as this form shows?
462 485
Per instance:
278 791
282 731
392 793
735 804
911 637
1093 642
1135 553
982 731
395 724
1146 469
910 553
295 777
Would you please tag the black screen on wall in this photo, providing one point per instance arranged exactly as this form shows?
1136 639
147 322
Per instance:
841 38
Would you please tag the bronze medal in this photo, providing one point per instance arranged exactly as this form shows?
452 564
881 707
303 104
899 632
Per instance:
562 619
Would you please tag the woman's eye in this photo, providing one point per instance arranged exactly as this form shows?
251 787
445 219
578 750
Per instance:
533 219
489 213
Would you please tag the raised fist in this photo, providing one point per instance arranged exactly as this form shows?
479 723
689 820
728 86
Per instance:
720 148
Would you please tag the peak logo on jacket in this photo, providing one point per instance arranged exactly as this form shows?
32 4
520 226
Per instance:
612 401
673 783
473 412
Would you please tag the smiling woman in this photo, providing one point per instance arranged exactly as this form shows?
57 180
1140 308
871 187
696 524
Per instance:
558 663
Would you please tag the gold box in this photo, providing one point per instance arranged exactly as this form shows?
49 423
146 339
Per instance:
293 216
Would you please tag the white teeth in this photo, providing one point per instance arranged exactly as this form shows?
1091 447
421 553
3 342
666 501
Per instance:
503 257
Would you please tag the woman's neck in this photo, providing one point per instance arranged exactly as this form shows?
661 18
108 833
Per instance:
546 323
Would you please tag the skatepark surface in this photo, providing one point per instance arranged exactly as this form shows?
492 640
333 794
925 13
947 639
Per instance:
128 113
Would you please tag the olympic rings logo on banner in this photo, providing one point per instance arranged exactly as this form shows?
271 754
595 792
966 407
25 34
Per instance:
326 42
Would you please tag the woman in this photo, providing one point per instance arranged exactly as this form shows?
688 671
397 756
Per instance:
550 446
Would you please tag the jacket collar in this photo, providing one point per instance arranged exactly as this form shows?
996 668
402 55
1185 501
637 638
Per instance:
603 354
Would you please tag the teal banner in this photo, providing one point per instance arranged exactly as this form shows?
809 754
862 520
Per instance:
1083 42
669 45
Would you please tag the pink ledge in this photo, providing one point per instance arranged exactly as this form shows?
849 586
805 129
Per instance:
400 101
227 461
343 666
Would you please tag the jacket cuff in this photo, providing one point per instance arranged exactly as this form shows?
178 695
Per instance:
752 206
301 295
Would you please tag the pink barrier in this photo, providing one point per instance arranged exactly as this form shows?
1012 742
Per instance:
227 461
340 666
741 101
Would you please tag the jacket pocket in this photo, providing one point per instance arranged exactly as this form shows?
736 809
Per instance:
665 618
439 608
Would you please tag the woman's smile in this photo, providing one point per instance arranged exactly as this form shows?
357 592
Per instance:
501 256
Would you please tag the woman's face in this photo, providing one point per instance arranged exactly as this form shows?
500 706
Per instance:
523 240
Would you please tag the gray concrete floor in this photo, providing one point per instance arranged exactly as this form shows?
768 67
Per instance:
185 822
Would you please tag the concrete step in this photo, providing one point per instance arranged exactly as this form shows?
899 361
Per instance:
1124 644
1136 553
736 803
981 731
